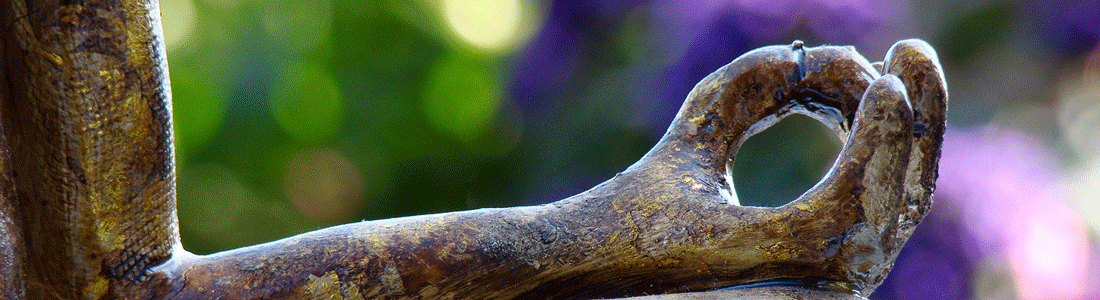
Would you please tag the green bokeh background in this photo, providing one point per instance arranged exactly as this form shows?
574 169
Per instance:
375 109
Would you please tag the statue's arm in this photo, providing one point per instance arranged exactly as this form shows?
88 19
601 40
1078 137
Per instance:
87 194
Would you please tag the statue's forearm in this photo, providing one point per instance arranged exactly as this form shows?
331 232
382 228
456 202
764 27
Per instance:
87 198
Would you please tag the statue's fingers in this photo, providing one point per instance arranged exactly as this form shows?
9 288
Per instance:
916 64
862 193
874 157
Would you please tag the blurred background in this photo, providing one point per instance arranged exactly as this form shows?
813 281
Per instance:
292 116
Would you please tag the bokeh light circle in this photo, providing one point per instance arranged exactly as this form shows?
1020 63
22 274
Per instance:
212 200
1081 186
307 103
492 25
177 21
1078 113
197 111
462 96
323 184
1047 252
298 26
487 24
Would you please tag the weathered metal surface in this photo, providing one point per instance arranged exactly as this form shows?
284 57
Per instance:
87 113
13 280
757 293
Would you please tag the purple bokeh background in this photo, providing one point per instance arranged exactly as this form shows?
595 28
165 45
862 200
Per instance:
995 181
